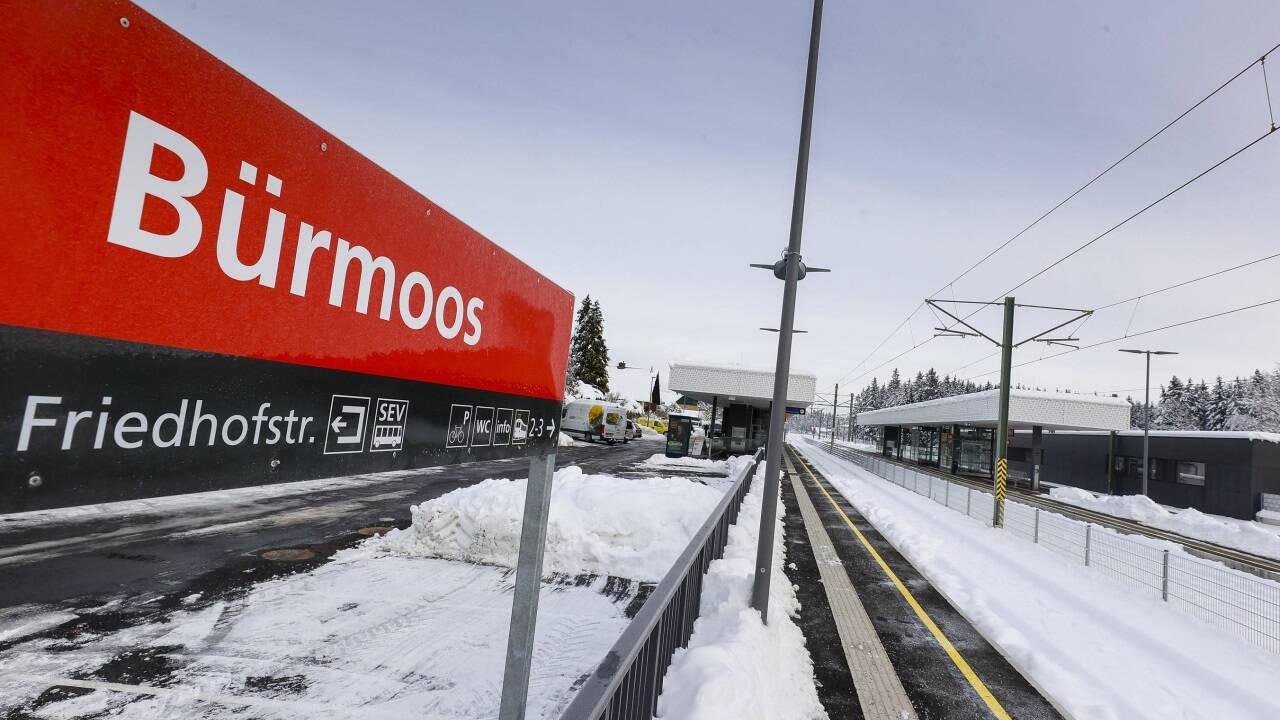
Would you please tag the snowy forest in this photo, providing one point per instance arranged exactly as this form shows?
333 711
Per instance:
1251 403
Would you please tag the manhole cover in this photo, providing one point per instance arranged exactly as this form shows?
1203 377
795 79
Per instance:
375 530
288 555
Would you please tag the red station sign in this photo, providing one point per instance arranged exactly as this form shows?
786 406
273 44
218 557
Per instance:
179 236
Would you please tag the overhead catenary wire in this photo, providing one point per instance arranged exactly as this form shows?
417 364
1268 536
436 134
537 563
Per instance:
1137 214
1267 84
1084 321
1138 299
886 339
1137 334
951 283
1125 221
1115 164
1184 283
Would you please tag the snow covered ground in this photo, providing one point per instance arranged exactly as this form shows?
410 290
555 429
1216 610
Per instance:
1250 536
358 636
1094 646
409 624
736 667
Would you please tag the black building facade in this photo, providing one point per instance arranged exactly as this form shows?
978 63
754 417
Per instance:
1217 473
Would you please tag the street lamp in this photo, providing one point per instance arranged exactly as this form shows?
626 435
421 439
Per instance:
1146 411
789 269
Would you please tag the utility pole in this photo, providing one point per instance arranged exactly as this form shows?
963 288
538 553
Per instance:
835 399
1006 345
1146 413
1002 433
792 268
850 427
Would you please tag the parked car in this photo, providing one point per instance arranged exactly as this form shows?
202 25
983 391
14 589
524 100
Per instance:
593 420
633 430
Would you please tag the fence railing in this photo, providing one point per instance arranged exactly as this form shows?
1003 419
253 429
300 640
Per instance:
628 681
1236 602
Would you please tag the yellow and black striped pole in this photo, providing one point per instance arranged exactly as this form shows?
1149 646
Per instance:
1002 479
1002 431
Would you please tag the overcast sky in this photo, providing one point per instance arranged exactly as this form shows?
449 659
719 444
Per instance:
644 153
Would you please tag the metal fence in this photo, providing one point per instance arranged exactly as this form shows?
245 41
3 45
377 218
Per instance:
628 681
1236 602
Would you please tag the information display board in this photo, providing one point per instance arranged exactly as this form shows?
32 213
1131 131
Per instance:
203 289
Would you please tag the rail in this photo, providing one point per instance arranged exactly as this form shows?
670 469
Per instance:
627 683
1234 601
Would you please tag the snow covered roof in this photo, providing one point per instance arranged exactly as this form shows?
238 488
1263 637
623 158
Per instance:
737 384
1228 434
1027 408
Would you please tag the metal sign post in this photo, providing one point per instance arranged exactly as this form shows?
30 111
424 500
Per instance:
524 607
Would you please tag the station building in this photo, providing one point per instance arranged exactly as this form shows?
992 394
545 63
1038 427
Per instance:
741 399
1223 473
1085 441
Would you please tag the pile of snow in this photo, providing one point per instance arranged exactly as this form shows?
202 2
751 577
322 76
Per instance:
658 461
736 666
1096 648
730 468
566 441
630 527
581 391
1253 537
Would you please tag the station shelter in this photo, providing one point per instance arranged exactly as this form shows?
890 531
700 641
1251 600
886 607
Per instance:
957 434
741 399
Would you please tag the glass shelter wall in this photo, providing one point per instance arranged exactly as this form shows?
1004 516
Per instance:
976 450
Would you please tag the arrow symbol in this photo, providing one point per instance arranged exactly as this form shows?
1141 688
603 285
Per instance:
551 426
339 423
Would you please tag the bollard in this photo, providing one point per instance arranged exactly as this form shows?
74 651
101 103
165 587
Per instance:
1088 531
1164 577
1035 537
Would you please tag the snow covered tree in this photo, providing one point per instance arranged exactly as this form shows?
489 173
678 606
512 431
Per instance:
1199 405
576 345
931 389
588 354
1173 412
1222 405
1136 417
893 392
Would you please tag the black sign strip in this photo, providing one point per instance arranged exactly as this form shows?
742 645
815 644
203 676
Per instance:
87 420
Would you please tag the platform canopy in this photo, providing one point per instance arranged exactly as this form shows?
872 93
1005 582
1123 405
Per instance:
1027 409
734 384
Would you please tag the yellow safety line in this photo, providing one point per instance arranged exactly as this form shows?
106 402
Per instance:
974 681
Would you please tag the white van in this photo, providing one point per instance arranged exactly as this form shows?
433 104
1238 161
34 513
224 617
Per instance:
593 420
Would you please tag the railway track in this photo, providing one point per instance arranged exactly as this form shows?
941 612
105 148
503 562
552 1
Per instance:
1238 559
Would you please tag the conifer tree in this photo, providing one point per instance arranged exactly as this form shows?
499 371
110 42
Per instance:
590 353
577 345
